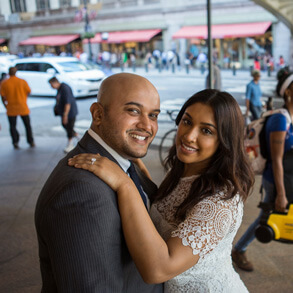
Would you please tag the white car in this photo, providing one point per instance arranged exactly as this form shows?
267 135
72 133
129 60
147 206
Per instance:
84 79
6 61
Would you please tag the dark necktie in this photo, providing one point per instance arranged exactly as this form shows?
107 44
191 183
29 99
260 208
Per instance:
133 175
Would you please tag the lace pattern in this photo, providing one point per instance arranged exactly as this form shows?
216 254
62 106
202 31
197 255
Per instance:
209 229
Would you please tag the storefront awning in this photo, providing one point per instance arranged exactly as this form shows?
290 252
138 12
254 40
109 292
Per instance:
2 41
124 36
221 31
53 40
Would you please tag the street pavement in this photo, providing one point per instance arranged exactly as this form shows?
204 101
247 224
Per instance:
22 175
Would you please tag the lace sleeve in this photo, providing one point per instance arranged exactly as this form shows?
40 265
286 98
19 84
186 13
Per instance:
207 224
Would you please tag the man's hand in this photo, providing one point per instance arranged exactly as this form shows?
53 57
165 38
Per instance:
65 119
281 203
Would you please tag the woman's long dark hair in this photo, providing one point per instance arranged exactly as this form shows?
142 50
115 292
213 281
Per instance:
229 168
282 75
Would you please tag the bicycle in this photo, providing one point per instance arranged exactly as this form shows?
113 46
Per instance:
169 138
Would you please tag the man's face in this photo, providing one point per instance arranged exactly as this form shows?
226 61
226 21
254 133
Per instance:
129 122
54 85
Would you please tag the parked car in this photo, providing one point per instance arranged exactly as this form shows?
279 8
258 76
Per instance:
6 61
84 79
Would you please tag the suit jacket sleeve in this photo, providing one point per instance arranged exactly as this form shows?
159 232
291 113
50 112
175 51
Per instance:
82 228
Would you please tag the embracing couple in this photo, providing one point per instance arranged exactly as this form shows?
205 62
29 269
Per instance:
104 226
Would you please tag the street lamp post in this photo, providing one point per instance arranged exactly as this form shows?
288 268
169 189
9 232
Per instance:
210 46
88 30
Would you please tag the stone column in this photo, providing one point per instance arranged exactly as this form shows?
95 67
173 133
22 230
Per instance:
281 46
291 53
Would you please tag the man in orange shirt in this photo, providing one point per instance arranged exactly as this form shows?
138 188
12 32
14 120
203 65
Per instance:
14 93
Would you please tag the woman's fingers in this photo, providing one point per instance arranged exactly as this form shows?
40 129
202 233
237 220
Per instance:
105 169
84 159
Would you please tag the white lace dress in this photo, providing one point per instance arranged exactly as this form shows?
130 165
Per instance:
209 230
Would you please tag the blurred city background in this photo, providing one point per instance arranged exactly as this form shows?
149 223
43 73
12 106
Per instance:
83 41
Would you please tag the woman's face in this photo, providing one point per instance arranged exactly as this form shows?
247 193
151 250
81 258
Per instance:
197 138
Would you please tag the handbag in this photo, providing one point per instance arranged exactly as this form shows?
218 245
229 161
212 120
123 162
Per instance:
55 109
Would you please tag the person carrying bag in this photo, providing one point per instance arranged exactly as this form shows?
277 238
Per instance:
277 178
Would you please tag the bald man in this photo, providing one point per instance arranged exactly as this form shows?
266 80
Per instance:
81 243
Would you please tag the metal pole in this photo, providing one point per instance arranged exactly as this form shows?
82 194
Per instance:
210 46
87 29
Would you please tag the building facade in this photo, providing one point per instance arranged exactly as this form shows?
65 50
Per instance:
155 24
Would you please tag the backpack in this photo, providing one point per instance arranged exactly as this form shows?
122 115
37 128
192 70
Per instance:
255 140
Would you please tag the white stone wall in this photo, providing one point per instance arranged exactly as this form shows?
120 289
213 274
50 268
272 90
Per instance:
282 44
5 9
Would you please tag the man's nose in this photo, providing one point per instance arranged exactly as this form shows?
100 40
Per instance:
145 123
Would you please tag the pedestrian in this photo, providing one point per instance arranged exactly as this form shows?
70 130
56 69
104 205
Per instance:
202 59
66 107
281 63
81 243
157 57
279 140
256 63
217 79
199 205
14 93
253 96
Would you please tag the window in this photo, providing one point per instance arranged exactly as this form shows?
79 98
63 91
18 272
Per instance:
43 4
32 67
82 2
17 6
65 3
20 66
45 67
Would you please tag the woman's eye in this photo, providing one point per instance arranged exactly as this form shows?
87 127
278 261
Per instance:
186 121
207 131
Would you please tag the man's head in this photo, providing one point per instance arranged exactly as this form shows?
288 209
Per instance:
54 82
255 74
126 113
12 71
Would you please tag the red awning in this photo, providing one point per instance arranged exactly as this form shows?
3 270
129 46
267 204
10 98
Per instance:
2 41
221 31
125 36
54 40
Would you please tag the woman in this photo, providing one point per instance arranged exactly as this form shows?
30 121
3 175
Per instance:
280 138
199 205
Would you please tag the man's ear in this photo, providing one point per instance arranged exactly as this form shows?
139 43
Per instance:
97 111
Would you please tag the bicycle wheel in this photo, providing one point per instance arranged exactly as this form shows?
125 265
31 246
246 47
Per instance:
167 141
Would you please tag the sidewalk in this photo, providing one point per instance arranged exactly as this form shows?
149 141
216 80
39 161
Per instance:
194 72
22 175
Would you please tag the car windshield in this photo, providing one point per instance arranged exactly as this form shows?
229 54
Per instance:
74 66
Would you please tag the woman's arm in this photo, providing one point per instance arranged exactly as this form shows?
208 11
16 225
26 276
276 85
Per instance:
156 260
277 142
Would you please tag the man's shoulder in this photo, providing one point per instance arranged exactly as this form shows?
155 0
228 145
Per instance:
66 185
64 86
65 89
67 177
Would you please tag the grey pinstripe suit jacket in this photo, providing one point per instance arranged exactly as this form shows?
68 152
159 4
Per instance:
81 245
